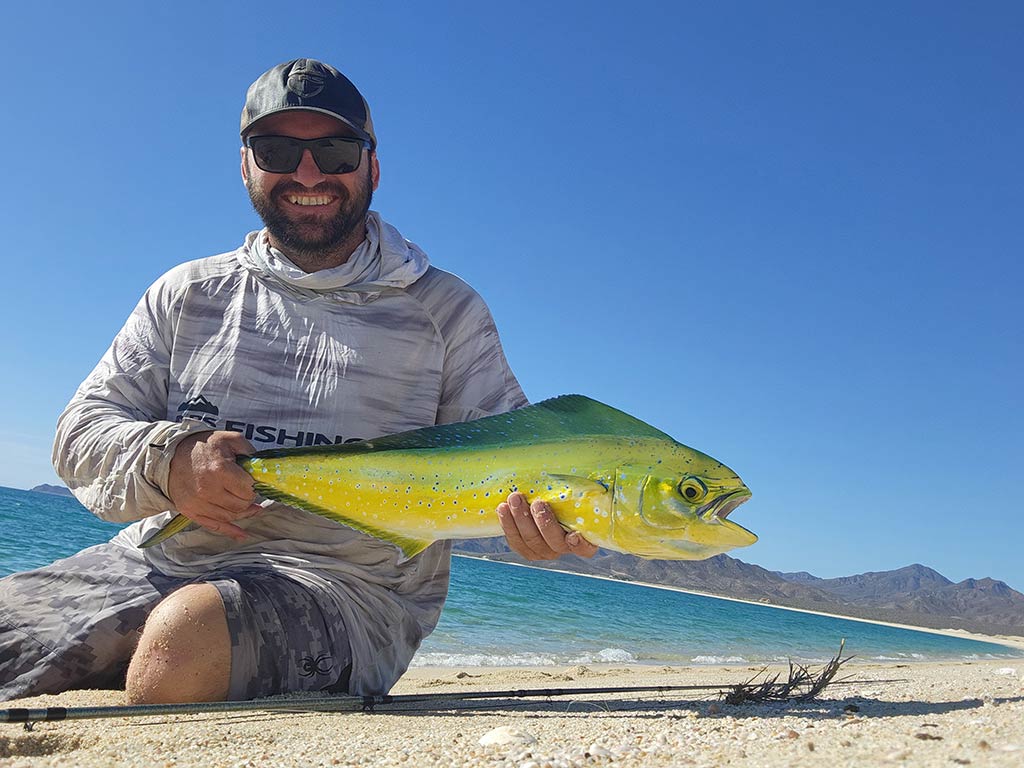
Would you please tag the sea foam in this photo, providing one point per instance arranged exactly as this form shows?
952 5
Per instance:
440 659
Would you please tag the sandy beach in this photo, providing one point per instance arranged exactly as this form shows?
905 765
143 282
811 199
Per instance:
933 714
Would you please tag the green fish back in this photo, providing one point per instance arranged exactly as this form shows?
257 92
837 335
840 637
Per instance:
560 418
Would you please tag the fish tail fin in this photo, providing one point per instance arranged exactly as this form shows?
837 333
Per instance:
176 525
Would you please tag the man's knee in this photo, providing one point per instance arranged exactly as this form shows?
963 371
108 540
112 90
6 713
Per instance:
184 653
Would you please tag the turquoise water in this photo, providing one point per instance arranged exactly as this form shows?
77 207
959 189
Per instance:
500 614
39 528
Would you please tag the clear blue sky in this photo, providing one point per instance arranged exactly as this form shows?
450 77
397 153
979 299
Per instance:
789 234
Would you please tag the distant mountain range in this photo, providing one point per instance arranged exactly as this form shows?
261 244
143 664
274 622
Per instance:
914 595
56 490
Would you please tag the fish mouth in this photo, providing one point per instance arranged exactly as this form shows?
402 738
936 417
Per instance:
721 507
718 510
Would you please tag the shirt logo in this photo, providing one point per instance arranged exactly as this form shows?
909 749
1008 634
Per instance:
199 408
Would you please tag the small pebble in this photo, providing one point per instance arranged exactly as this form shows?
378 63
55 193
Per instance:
506 735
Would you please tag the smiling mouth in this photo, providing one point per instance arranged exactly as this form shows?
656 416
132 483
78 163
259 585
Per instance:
310 200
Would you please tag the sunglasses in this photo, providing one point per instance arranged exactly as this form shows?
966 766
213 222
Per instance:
282 154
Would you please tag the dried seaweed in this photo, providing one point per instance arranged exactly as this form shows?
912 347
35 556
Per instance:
801 685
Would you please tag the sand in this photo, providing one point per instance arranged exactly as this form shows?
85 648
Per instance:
940 714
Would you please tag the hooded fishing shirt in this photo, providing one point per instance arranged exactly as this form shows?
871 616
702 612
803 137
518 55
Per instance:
246 341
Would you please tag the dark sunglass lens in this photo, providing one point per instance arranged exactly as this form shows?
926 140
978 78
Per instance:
337 155
276 154
283 154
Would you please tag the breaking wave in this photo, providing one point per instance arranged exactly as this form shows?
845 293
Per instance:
440 659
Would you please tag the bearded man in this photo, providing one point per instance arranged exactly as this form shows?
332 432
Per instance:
326 326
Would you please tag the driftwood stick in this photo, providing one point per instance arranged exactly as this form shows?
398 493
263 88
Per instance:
801 684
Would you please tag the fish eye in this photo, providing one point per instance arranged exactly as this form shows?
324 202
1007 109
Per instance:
693 490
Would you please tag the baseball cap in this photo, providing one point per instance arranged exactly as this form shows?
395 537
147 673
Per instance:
308 84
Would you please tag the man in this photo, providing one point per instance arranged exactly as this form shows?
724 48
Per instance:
326 326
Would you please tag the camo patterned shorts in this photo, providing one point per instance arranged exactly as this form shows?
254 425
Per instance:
76 622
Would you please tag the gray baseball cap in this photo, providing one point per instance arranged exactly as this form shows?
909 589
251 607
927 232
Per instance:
308 84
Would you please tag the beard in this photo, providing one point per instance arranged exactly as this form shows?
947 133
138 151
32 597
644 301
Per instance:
312 238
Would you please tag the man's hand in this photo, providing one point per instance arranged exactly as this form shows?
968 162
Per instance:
533 531
207 486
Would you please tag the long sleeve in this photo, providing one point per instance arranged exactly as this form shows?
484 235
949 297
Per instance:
114 443
476 379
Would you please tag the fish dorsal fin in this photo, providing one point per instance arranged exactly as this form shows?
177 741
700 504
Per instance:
568 416
578 414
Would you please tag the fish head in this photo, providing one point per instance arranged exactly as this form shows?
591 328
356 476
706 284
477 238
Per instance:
678 513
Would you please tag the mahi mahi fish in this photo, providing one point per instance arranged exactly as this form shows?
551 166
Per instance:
621 483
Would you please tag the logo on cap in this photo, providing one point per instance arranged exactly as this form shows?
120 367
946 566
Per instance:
306 82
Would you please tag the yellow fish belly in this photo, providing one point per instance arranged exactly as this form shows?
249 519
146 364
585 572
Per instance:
425 496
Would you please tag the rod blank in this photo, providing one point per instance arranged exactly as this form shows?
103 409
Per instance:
322 704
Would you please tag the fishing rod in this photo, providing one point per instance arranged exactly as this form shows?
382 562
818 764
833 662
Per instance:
319 704
334 703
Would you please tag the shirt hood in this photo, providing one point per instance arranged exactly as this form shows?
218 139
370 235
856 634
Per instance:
383 261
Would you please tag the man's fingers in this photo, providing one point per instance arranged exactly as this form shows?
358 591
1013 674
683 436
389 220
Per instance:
239 485
580 546
225 499
231 444
523 533
204 465
221 526
551 531
251 511
508 526
529 532
206 484
237 480
219 517
533 531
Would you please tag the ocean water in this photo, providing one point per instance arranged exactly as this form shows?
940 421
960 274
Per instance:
505 615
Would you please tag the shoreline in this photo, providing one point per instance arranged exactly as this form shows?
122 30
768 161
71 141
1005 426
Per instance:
1012 641
926 714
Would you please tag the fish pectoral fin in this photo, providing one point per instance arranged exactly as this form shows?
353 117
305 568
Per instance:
176 524
409 546
578 484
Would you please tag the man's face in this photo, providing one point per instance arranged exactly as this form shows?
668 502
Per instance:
309 213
